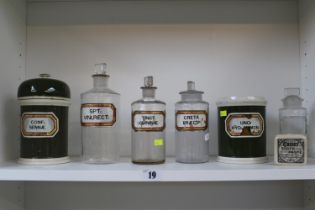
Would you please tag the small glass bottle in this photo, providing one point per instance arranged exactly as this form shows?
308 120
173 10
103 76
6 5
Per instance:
291 144
99 120
192 134
148 126
292 115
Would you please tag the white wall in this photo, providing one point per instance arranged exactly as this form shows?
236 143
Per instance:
12 72
249 52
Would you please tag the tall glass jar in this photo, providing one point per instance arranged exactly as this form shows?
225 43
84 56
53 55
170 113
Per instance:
192 133
148 126
99 120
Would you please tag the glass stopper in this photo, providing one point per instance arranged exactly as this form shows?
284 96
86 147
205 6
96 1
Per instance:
100 69
291 91
148 81
190 85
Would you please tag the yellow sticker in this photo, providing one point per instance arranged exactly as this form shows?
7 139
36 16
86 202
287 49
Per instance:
158 142
223 113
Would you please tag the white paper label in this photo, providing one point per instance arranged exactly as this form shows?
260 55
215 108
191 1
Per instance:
98 114
291 150
148 121
39 125
244 125
191 120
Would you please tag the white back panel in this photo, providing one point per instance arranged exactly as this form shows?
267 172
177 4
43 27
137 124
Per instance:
12 72
307 20
233 57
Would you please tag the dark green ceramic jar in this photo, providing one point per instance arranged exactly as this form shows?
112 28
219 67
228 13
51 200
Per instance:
44 121
242 130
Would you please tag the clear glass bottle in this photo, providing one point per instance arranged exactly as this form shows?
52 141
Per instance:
291 145
148 126
292 115
99 120
192 132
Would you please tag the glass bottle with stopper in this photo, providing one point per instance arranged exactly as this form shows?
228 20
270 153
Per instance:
291 144
192 134
99 120
148 126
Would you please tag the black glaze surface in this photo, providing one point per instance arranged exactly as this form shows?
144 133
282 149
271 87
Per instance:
241 147
40 148
44 87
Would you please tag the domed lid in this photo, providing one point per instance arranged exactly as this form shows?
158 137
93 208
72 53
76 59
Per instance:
242 101
44 86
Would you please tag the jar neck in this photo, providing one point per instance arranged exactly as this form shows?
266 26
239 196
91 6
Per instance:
148 93
100 81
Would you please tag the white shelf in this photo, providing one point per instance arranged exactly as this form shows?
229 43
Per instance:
125 171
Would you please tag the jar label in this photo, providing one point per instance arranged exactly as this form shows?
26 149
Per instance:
148 120
244 125
192 120
291 150
39 125
98 114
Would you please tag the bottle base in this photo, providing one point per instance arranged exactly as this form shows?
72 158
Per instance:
43 161
148 162
192 161
233 160
99 161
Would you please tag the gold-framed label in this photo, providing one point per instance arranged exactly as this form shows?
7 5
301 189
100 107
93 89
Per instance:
149 121
39 125
98 114
192 120
244 125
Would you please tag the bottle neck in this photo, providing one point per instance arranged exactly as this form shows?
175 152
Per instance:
100 81
191 97
148 93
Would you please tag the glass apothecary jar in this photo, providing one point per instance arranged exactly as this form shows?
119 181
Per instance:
192 132
99 120
292 115
148 126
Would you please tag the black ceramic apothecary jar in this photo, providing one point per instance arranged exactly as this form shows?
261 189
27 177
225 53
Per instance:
44 120
242 129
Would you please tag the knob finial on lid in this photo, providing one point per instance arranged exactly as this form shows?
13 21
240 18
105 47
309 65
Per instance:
44 75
